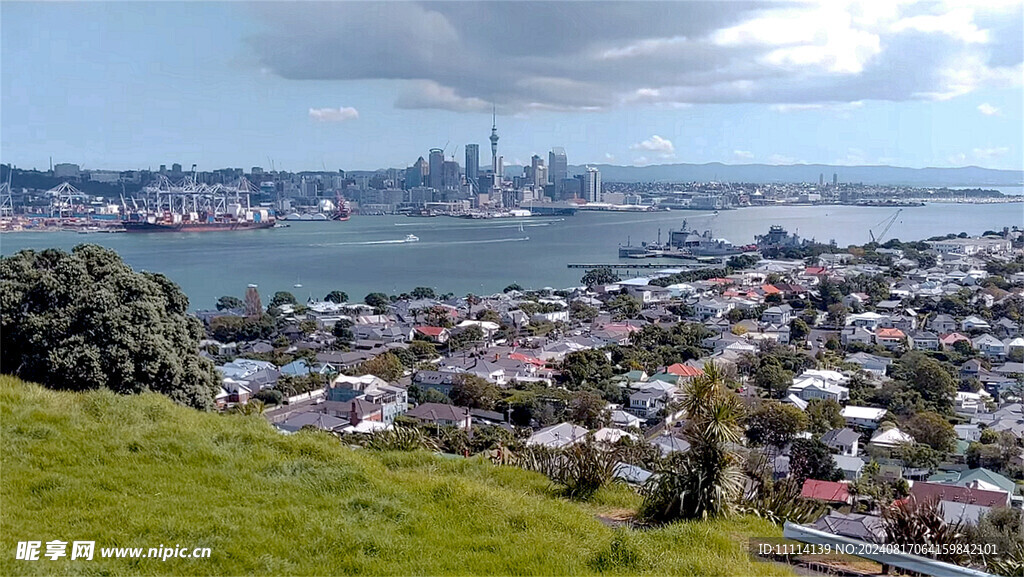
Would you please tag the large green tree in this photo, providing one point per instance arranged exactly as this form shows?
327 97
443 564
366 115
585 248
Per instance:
600 275
774 424
336 297
85 320
228 302
810 459
932 429
474 392
823 415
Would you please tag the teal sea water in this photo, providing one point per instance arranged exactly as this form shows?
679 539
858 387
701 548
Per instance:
366 254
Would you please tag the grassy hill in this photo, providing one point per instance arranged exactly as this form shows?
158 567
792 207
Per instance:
142 472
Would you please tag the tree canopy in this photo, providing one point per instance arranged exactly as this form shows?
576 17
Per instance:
85 320
228 302
601 275
774 424
337 297
282 298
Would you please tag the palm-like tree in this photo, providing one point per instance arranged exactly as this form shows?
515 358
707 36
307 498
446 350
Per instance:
707 480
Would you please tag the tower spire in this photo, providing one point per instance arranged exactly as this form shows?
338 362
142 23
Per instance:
494 140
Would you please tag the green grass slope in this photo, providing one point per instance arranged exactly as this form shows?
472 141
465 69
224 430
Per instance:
142 472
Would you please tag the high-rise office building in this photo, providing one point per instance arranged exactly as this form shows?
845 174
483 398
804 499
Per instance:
821 179
176 168
835 180
416 175
450 178
472 162
591 185
537 171
558 169
436 175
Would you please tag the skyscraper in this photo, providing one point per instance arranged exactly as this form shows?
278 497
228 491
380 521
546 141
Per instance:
835 180
537 171
494 144
592 185
821 179
558 169
416 174
436 175
472 162
450 179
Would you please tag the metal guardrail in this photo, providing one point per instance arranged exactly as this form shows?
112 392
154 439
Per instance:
914 563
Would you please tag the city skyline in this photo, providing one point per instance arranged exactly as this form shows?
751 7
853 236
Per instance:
102 85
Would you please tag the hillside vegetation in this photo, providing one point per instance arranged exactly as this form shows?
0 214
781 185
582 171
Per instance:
139 471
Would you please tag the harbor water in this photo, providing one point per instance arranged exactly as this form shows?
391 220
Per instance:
370 253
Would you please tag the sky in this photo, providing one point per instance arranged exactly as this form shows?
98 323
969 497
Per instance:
367 85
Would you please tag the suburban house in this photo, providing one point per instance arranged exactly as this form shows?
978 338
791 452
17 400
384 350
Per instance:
873 364
440 381
959 504
833 493
779 315
843 441
852 467
890 338
942 324
923 340
973 323
442 415
558 436
646 403
863 417
713 308
818 384
889 438
989 346
438 335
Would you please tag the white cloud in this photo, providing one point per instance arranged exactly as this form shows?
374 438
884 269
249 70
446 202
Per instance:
743 154
340 114
662 147
641 161
987 109
609 157
799 107
990 153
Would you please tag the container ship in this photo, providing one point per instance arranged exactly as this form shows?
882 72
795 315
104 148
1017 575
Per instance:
191 207
239 219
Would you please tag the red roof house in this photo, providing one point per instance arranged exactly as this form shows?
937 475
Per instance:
437 334
924 491
682 370
827 491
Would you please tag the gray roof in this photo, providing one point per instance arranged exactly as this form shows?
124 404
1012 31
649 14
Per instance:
837 437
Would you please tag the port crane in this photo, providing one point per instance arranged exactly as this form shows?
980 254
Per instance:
888 222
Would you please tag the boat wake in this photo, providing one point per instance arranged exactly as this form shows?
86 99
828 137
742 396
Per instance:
403 241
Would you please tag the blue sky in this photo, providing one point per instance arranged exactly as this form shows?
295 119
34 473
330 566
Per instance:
371 85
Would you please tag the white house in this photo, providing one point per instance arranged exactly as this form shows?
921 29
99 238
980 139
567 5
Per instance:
890 438
558 436
863 417
817 384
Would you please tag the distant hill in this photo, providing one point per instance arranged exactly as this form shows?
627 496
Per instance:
139 471
766 173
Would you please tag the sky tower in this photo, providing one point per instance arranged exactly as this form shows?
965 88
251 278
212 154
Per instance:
494 142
